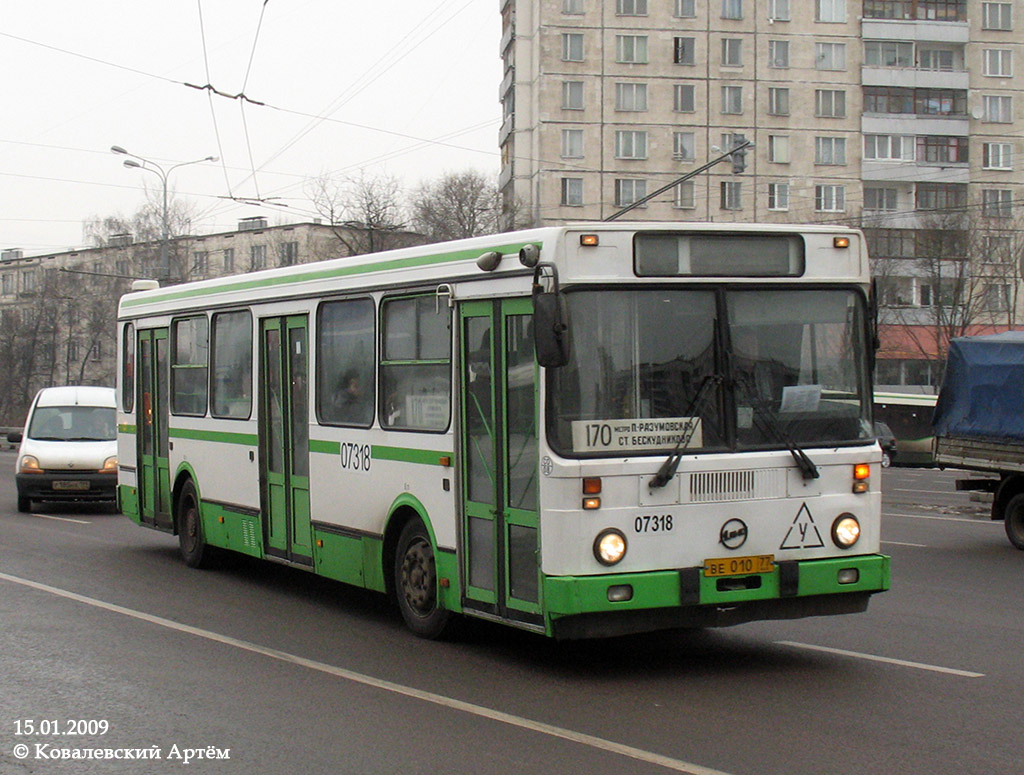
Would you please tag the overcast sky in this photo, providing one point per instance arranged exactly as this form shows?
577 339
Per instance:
402 87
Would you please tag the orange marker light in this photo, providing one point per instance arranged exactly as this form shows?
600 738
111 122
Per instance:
592 486
589 504
589 240
861 471
840 242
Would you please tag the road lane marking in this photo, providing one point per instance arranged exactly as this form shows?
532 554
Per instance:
61 519
561 733
978 521
884 660
904 543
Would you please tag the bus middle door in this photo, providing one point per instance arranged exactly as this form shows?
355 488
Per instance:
498 378
153 447
284 438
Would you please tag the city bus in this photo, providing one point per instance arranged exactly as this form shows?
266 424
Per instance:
909 415
582 431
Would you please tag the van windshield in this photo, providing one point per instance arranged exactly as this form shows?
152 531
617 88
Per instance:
73 423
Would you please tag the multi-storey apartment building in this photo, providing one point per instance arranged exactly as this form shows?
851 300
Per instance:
901 116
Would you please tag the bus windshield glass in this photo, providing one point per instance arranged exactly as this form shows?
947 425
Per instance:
714 369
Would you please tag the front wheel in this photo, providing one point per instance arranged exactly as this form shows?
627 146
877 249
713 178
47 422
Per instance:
1013 519
416 583
191 543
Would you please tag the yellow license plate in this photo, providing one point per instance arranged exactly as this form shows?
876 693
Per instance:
739 566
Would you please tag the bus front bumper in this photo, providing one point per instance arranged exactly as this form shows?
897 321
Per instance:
617 604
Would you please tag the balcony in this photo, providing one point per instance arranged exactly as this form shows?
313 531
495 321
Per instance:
942 11
914 78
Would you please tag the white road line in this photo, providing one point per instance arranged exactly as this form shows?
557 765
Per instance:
61 519
979 521
904 543
884 660
540 727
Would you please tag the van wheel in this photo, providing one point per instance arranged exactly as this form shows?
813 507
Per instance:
24 504
1013 519
191 544
416 583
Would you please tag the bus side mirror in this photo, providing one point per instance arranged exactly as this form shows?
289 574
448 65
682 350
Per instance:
550 319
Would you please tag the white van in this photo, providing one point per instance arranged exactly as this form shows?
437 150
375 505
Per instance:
69 447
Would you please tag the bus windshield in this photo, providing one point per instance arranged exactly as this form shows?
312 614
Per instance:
714 368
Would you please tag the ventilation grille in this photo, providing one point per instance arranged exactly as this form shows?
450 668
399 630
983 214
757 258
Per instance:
721 486
249 534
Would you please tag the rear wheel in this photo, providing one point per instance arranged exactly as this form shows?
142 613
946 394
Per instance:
416 583
1013 519
191 543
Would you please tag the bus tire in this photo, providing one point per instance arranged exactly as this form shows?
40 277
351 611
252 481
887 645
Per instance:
1013 520
416 582
191 543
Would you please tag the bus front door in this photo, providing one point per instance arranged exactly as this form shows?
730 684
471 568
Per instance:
498 379
154 467
284 438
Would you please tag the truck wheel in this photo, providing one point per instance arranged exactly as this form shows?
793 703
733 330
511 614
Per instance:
1013 520
416 583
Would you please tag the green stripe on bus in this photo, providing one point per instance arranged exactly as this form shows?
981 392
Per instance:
323 274
222 437
428 457
126 428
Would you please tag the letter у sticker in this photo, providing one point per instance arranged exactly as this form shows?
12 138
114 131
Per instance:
803 533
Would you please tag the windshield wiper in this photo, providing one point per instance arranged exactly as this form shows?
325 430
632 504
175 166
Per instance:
768 423
671 465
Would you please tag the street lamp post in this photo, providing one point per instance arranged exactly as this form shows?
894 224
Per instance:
151 166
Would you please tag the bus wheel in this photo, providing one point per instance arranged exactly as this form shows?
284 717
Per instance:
1013 518
416 582
191 544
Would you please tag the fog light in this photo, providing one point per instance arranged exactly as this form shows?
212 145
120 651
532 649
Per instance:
848 576
845 531
610 546
620 593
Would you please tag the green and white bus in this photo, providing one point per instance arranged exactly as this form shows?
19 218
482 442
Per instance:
582 431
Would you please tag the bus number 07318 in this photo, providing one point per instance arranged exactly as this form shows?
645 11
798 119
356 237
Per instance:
355 457
657 523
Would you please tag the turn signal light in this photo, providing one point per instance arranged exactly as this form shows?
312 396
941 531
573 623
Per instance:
589 240
592 486
861 472
840 242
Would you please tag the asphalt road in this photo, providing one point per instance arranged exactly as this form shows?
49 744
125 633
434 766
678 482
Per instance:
279 672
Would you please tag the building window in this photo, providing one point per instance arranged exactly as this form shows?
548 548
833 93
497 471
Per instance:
996 298
778 101
879 199
572 192
830 11
631 49
778 149
731 195
997 16
629 190
778 196
997 203
732 52
732 9
572 46
684 9
830 103
631 7
200 263
830 56
890 243
684 146
888 148
941 196
998 109
936 59
257 257
288 254
572 143
778 10
572 95
572 7
28 281
684 51
686 195
998 156
631 96
229 260
7 284
630 144
942 150
732 99
998 62
829 199
778 53
830 150
683 98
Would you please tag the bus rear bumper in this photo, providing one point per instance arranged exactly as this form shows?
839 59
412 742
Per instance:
603 606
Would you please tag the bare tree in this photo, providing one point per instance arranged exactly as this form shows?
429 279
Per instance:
364 212
459 204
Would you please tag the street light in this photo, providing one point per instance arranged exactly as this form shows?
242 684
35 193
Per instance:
151 166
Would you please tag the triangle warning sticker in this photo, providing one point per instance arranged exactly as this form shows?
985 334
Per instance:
803 533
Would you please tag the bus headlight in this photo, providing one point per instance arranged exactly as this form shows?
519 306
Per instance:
610 546
845 531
